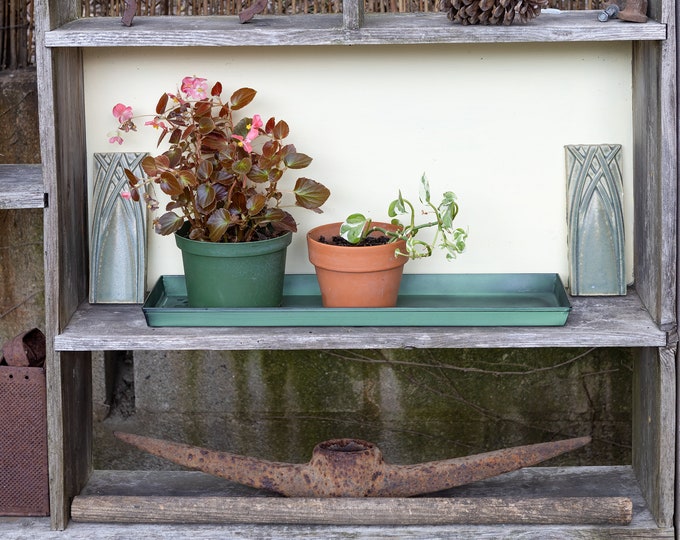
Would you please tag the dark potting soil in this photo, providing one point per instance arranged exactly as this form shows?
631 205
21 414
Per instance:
368 241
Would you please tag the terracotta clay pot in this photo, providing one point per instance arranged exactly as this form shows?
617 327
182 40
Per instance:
351 276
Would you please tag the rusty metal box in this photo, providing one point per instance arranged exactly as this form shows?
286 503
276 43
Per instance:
24 485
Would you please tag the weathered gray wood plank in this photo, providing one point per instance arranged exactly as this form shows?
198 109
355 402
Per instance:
346 511
562 481
654 427
21 186
328 30
62 138
529 483
38 529
655 168
593 322
352 14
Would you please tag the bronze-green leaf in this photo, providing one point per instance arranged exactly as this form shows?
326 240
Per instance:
149 166
241 98
297 160
204 170
281 130
310 194
203 108
205 197
132 179
280 220
170 184
255 204
173 156
218 223
242 166
270 148
168 223
188 131
206 125
216 89
175 136
214 142
187 178
162 102
258 175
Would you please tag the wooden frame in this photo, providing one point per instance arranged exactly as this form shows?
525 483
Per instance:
645 319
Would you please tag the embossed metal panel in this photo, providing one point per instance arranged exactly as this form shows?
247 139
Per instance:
595 220
118 232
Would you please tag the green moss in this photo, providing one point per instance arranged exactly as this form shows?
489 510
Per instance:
417 405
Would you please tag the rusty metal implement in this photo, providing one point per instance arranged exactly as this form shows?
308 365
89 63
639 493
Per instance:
352 467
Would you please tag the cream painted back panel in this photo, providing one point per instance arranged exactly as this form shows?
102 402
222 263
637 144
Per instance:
488 122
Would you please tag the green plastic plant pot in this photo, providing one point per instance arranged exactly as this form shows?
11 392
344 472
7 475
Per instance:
245 274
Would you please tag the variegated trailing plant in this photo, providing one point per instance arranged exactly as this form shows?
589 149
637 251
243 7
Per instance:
357 227
222 174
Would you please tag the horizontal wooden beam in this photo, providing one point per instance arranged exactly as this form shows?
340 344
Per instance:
347 511
373 29
618 321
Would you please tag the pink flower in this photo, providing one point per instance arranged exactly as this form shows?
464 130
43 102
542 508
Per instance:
253 133
126 195
244 142
254 127
195 87
156 123
116 139
122 112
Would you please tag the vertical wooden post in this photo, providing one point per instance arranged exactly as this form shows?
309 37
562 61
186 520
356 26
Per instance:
62 140
352 14
654 398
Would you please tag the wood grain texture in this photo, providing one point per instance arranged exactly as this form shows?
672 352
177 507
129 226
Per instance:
654 427
525 484
593 322
655 169
59 76
21 186
352 14
346 511
383 28
39 528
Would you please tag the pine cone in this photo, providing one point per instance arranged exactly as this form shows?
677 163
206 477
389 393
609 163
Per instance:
492 11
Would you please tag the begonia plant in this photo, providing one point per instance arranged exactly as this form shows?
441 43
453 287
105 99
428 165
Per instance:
221 174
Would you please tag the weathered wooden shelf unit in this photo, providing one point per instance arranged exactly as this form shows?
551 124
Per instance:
645 319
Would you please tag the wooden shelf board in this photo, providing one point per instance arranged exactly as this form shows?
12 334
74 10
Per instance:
126 496
270 30
619 321
21 186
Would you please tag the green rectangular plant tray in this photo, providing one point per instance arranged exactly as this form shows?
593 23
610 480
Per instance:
424 300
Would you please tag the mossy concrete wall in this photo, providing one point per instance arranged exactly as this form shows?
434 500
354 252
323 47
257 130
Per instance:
416 405
21 240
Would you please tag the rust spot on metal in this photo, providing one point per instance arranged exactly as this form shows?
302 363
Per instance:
25 350
353 468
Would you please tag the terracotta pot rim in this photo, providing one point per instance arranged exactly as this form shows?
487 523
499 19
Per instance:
314 233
